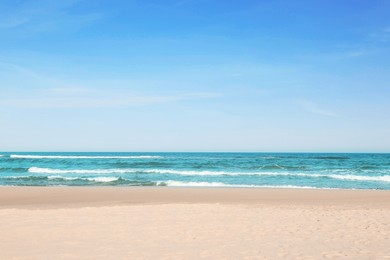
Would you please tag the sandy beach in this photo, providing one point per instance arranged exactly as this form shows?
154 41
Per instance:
192 223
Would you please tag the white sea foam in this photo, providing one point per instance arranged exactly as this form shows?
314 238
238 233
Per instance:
95 171
15 177
95 179
385 178
103 179
292 187
199 184
189 173
16 156
348 177
219 173
216 173
58 177
220 184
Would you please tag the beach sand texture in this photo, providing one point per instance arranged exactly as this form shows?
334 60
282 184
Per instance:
180 223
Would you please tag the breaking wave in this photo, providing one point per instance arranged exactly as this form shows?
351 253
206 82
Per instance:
16 156
95 171
346 177
95 179
220 184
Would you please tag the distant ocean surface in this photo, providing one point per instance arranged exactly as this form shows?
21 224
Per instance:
280 170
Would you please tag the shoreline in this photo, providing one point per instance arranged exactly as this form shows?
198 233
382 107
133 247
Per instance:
59 197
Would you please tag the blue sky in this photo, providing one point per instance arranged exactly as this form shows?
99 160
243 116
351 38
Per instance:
188 75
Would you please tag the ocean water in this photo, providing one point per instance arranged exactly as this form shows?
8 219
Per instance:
283 170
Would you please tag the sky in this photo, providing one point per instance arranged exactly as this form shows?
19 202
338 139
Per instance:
195 75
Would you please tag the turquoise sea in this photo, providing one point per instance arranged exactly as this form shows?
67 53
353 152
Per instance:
284 170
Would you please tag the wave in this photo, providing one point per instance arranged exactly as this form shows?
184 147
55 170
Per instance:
187 173
281 167
220 184
332 157
10 169
96 171
273 167
170 183
385 178
128 170
218 173
368 167
27 177
104 179
16 156
198 184
95 179
57 177
47 180
346 177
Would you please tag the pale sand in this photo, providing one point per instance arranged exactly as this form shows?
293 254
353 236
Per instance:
192 223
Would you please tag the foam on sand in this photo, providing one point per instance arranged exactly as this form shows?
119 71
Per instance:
220 184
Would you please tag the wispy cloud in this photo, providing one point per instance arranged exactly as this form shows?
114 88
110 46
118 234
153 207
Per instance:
67 91
32 77
183 2
54 92
108 101
314 108
381 35
15 20
44 16
386 34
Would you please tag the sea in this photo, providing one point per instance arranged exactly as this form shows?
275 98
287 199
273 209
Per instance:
266 170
